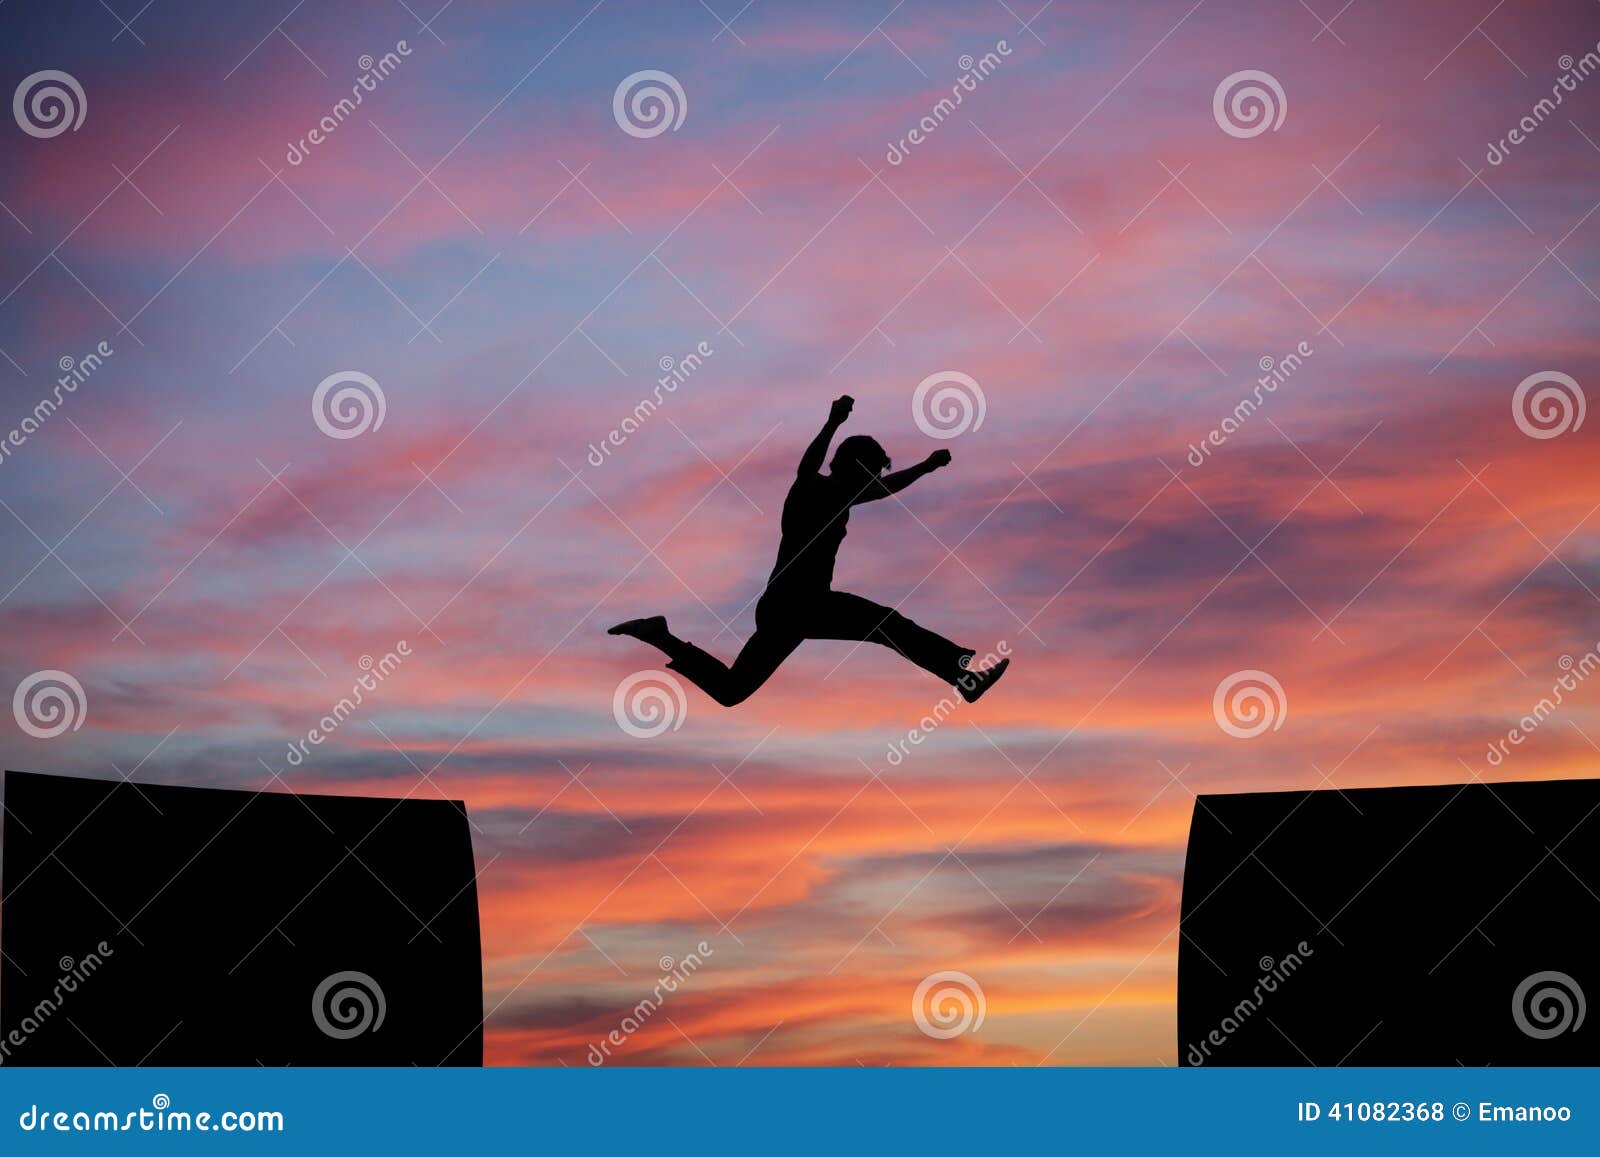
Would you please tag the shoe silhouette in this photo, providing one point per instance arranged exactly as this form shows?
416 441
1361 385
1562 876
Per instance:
645 630
799 602
973 684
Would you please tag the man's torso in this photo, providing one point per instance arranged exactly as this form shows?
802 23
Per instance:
815 519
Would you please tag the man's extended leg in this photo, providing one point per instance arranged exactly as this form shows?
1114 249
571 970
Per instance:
729 686
845 616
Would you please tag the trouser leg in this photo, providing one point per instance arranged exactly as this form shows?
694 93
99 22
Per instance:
846 616
731 685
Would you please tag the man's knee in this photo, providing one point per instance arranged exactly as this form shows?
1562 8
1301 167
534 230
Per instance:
733 693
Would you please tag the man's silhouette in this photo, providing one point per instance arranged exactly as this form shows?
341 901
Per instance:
800 603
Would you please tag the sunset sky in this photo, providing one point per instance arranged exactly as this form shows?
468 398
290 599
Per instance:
1081 237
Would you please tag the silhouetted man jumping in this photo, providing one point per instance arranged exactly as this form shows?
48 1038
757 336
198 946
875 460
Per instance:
799 602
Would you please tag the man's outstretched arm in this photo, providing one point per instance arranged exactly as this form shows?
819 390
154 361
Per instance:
816 453
900 479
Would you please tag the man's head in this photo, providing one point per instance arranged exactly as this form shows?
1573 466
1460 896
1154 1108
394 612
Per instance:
859 453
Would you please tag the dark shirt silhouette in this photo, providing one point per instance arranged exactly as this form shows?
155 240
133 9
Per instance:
816 517
800 603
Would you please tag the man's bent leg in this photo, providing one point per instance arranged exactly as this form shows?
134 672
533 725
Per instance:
730 686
